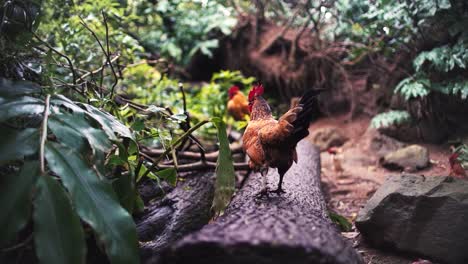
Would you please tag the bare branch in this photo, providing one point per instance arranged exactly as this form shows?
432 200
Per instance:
203 166
70 64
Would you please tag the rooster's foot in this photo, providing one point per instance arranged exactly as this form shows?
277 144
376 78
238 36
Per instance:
278 191
263 193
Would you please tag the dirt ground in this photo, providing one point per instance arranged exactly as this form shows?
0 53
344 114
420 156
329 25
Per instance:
347 190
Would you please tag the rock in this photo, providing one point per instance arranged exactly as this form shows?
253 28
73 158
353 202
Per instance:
426 216
410 158
379 144
327 137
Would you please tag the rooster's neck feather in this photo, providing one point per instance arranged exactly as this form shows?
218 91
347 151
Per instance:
260 109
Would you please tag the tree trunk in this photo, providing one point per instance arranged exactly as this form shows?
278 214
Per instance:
291 228
185 209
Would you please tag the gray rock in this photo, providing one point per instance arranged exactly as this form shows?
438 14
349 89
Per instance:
410 158
427 216
327 137
379 144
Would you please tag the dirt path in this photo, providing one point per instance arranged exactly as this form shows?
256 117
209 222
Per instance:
348 190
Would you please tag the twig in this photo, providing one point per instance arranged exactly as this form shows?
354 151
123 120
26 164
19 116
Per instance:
82 77
203 166
116 78
70 64
212 156
184 125
106 54
44 134
19 245
169 149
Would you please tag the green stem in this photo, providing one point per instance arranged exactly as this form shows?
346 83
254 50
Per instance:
170 148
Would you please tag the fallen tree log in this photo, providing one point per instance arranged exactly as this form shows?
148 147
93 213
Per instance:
291 228
185 209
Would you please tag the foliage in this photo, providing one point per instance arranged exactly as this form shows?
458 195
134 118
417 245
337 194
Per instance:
183 27
76 183
392 24
462 151
393 117
413 88
342 222
149 87
225 176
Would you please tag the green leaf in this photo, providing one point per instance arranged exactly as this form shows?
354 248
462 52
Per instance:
169 175
16 144
73 130
58 234
138 125
341 221
124 186
108 122
156 109
179 117
21 106
96 203
393 117
61 100
15 89
225 176
15 198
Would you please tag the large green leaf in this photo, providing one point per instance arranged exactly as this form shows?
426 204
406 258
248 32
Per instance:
124 186
96 203
61 100
169 175
24 105
108 122
225 176
58 234
13 89
16 144
73 130
15 198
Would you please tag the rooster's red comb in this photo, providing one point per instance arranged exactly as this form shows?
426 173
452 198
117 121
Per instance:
257 90
233 89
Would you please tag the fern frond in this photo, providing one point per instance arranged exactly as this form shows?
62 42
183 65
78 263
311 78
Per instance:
393 117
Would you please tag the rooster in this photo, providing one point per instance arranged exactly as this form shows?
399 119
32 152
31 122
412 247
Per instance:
271 143
456 168
238 105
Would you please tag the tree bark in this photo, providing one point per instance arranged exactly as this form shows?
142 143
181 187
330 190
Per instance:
291 228
185 209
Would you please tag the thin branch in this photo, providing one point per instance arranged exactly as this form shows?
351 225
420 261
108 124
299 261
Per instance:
176 143
203 166
44 135
82 77
70 64
106 54
19 245
212 156
116 78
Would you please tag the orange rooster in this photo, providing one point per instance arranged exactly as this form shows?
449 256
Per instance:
270 143
237 105
456 168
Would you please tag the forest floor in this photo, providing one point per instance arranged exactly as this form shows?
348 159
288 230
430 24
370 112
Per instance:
347 191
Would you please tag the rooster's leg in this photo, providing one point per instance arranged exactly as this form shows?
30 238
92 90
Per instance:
264 191
280 190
